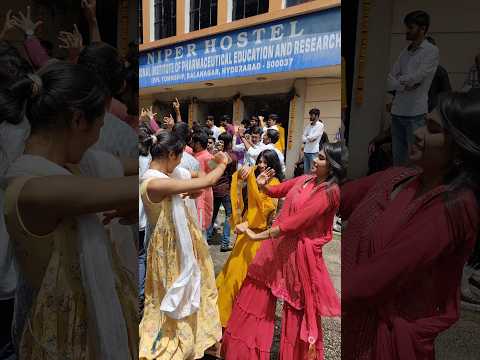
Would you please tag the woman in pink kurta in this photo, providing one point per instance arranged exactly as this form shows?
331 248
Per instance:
409 234
289 266
205 201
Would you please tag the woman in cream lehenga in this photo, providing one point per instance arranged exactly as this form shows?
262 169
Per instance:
180 319
74 299
256 210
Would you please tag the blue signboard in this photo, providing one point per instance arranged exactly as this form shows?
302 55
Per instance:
296 43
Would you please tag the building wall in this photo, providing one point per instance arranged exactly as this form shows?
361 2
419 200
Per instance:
224 22
324 94
366 119
455 27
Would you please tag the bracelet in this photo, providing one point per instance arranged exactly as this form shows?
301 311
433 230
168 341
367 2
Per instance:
270 233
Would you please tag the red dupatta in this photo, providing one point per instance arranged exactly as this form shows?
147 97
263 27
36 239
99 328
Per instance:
401 266
292 265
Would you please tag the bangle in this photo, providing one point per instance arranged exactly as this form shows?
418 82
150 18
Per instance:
270 233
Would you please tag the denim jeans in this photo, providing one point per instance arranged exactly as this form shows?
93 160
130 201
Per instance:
227 205
308 162
403 129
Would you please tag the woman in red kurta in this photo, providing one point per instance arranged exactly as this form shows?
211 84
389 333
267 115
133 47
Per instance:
289 266
409 234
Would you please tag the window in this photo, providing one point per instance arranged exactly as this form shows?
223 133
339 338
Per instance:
140 22
296 2
246 8
165 18
203 14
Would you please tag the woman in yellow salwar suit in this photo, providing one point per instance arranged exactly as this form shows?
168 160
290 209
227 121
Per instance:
258 211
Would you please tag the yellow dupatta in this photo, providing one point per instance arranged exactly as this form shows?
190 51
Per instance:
260 205
280 145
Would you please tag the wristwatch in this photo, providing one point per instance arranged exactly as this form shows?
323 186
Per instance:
29 32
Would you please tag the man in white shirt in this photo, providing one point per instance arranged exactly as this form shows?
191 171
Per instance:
410 79
211 125
249 144
312 134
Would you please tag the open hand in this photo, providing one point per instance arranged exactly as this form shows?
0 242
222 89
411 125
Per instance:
169 121
244 171
176 105
71 40
191 195
241 131
25 23
265 177
241 228
127 217
9 23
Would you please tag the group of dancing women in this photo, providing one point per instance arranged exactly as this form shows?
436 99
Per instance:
277 252
400 274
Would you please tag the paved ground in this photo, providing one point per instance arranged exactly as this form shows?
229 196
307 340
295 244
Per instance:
331 326
461 341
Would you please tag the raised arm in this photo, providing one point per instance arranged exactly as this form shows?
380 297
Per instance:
35 51
310 213
73 42
90 9
313 209
277 191
158 189
176 106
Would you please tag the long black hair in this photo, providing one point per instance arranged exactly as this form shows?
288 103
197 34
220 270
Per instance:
12 63
273 162
460 115
51 97
336 155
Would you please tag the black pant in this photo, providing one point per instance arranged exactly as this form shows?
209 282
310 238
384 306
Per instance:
6 309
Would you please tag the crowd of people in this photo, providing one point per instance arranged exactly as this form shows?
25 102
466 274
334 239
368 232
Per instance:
186 175
69 153
80 279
